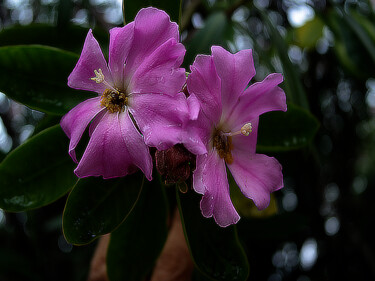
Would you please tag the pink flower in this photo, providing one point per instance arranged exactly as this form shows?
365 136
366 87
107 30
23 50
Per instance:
139 102
229 125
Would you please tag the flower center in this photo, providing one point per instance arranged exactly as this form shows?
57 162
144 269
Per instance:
113 99
223 145
222 141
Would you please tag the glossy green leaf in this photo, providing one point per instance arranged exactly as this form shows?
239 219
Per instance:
292 83
217 30
131 8
36 173
96 206
37 77
282 131
307 35
216 251
69 37
137 243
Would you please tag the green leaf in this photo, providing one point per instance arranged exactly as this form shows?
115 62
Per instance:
36 173
216 31
137 243
172 8
96 206
216 251
283 131
307 35
37 77
70 37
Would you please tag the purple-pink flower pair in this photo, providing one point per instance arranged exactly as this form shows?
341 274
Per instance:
141 105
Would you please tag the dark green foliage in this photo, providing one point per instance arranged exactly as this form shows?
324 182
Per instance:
36 173
216 251
37 77
137 242
96 207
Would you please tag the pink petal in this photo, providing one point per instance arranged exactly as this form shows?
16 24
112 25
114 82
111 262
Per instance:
152 28
120 43
194 106
135 144
95 122
161 119
259 98
106 154
235 72
159 72
204 83
210 179
257 175
91 59
74 123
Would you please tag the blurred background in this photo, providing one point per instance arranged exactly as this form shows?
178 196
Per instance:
320 224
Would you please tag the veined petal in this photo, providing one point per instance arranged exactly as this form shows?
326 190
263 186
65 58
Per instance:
210 179
257 175
135 144
152 28
204 83
120 43
259 98
159 72
235 72
74 123
160 118
91 59
106 153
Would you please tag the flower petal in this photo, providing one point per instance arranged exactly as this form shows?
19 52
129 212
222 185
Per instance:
152 28
161 119
106 153
204 83
235 72
74 123
91 59
135 144
120 43
194 106
210 179
257 175
160 72
259 98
